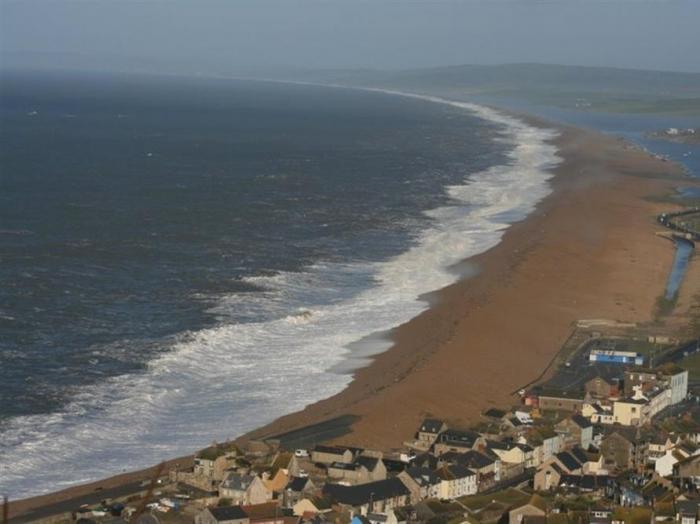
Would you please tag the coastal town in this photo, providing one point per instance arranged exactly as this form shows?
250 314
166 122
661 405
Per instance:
608 432
611 434
341 262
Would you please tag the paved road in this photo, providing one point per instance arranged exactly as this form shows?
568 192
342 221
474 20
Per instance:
581 370
71 505
678 354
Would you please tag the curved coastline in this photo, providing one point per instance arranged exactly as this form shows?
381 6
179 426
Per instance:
480 210
581 254
427 364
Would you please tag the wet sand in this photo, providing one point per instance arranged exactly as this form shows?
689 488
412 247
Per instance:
588 251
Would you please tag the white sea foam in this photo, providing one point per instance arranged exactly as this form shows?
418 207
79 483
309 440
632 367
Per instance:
219 382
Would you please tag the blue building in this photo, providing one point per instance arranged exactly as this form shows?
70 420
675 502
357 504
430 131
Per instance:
605 356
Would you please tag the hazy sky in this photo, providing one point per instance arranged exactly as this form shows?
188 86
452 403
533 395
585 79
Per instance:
241 35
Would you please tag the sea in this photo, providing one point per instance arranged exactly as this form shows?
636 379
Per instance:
184 259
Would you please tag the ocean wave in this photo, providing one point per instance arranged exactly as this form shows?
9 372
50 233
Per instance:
219 382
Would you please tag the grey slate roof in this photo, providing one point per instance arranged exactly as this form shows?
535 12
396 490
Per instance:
581 421
369 462
454 471
423 476
431 425
228 513
237 482
579 455
426 460
394 466
459 438
297 484
568 460
362 493
470 459
344 466
687 507
334 450
496 444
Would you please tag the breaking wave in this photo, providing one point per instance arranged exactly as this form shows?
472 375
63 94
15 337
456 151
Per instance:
220 382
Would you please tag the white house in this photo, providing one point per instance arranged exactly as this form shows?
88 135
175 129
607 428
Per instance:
664 465
456 481
676 380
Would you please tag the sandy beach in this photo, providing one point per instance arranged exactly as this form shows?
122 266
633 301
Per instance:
588 251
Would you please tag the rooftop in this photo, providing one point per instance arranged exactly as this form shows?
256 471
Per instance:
363 493
228 513
431 425
333 450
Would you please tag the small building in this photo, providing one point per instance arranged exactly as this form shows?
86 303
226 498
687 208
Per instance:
557 400
687 471
382 518
549 474
512 453
297 488
597 413
222 515
602 388
675 378
312 506
544 441
575 430
687 511
487 466
597 485
638 378
456 481
664 465
429 430
210 466
373 497
331 454
605 356
535 507
244 489
659 444
455 440
424 483
277 482
631 412
600 514
362 470
624 449
267 513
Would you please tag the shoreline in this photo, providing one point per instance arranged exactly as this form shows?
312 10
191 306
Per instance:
470 218
616 247
430 369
